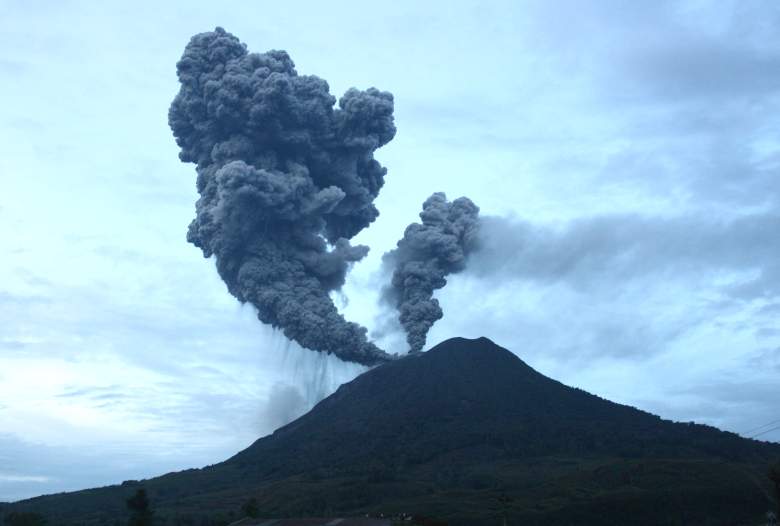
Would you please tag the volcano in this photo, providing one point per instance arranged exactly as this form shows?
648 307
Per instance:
470 434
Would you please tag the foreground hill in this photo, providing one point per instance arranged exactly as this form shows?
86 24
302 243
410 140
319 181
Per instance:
465 432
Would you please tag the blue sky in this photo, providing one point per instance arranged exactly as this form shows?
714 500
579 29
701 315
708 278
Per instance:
633 147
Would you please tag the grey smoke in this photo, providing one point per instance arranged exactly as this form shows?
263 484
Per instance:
285 180
285 404
601 251
427 253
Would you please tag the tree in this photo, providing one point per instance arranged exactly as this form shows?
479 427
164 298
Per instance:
504 502
250 508
24 518
140 510
774 476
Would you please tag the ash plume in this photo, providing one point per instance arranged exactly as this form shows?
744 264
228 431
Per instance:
426 254
285 180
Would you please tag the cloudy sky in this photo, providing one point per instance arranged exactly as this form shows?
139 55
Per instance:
630 150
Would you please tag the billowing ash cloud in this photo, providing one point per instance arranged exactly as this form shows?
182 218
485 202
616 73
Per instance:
285 180
426 254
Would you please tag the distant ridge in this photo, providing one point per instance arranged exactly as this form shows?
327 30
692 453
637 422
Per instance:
465 432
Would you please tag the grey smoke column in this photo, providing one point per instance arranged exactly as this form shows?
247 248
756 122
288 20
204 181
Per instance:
426 254
285 180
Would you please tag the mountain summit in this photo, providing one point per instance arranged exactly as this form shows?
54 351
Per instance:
466 432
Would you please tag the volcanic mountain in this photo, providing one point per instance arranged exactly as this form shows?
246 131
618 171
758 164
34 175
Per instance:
468 433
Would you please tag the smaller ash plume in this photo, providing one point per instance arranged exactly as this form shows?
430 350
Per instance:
426 254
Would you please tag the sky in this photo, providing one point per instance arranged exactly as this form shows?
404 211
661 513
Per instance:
625 155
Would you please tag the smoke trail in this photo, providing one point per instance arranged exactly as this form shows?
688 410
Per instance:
285 180
426 254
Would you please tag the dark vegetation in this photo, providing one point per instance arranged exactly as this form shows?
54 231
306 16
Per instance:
466 434
24 518
250 508
141 513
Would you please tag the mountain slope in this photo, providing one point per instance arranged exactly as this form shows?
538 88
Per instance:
450 431
474 394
